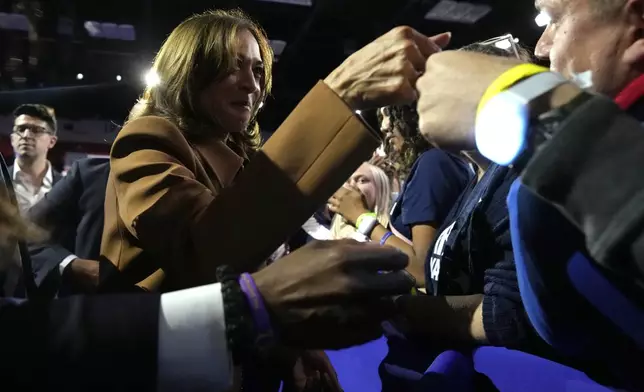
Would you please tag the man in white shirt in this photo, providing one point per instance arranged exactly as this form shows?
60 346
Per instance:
33 135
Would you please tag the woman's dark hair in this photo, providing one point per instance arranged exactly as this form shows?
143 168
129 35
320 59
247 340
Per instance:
404 118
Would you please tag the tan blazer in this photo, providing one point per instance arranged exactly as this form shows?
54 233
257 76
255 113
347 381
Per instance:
177 208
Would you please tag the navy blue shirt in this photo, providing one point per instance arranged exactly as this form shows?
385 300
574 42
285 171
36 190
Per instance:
473 254
434 183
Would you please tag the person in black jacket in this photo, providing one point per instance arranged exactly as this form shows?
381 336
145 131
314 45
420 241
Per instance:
184 340
73 212
576 41
577 223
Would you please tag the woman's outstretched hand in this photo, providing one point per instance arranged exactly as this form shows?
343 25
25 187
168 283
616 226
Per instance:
385 71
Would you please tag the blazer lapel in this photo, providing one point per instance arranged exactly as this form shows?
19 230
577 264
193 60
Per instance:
220 159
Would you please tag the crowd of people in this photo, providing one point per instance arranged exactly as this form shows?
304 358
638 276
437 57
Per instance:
166 268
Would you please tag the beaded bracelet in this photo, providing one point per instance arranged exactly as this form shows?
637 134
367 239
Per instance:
240 332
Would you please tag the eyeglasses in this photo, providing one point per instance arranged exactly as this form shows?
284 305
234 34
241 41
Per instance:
505 42
36 130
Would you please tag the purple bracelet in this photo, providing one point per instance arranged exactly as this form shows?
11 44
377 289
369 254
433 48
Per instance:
385 237
258 310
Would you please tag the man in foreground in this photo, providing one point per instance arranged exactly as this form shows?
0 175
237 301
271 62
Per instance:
603 37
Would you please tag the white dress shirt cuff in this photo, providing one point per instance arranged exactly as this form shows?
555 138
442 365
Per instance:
193 353
66 261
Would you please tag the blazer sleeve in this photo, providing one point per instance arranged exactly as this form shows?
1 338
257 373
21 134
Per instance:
183 223
57 213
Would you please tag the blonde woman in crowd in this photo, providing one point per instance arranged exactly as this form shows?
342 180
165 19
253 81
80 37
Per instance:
374 186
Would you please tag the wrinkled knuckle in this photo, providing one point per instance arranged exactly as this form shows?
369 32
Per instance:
403 31
399 83
401 64
337 253
407 46
400 86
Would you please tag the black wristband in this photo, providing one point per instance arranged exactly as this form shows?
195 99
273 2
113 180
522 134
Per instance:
240 330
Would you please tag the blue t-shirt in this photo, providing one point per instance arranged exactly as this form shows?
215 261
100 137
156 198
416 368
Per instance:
435 182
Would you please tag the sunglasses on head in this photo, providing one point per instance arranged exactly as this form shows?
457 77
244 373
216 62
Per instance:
505 42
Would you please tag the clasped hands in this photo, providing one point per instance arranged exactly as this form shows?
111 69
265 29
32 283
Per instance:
404 66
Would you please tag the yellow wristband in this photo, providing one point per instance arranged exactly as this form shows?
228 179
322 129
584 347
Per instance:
361 217
507 80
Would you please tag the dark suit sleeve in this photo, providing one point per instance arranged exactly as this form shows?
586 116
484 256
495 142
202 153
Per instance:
57 212
106 343
592 171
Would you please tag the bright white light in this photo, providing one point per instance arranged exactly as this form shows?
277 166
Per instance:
152 78
261 105
79 76
501 128
118 78
505 44
358 112
542 20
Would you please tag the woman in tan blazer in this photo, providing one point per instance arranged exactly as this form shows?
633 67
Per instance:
190 191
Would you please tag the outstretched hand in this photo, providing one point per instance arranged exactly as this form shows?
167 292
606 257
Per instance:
333 294
385 71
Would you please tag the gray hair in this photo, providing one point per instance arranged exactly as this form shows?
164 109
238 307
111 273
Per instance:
607 7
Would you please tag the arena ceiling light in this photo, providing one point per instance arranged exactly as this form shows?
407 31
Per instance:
458 12
151 78
307 3
542 20
13 21
110 30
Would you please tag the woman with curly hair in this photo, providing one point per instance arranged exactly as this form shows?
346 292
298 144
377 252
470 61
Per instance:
433 181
